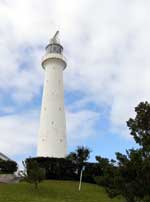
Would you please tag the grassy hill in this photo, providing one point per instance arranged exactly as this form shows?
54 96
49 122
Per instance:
54 191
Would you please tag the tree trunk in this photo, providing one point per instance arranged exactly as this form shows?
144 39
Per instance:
36 185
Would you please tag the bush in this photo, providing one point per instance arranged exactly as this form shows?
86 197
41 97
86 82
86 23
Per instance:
34 174
91 170
64 169
8 167
55 168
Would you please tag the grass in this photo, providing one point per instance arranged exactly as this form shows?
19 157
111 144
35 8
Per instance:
54 191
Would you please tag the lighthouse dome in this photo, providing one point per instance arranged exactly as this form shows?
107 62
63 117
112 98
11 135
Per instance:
54 45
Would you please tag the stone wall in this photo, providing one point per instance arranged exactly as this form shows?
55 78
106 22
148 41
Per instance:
9 178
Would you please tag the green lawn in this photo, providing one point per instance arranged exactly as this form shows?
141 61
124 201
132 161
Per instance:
53 191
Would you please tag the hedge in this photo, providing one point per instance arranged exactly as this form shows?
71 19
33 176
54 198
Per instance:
63 169
8 167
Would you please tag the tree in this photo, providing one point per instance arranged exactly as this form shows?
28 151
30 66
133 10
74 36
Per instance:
140 126
80 156
8 166
131 177
108 170
72 157
135 165
33 173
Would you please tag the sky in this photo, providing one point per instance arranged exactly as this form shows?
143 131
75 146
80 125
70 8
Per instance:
107 46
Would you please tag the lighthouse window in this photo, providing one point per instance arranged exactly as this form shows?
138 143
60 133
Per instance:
52 122
54 48
59 108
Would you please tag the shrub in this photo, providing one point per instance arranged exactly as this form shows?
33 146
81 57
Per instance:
91 170
64 169
34 174
8 167
55 168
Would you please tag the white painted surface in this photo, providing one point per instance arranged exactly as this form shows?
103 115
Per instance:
52 132
3 157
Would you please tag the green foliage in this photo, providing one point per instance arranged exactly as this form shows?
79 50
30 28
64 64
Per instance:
33 173
8 167
91 170
82 154
79 157
140 126
130 176
108 170
64 169
55 168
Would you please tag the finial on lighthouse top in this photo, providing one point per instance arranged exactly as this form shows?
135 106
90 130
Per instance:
54 45
55 38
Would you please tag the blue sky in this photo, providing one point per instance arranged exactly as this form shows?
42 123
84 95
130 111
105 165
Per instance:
107 46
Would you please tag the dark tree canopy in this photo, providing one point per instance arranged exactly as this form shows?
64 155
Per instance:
140 125
130 176
8 166
79 157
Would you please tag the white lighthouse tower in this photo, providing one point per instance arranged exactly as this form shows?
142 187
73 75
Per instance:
52 132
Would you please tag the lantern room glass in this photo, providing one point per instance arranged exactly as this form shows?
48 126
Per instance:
54 48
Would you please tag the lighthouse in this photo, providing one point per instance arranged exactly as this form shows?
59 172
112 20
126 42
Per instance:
52 132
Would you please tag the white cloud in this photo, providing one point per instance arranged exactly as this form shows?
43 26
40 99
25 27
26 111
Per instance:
18 133
106 42
80 125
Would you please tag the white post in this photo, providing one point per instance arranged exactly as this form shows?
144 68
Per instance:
81 174
80 180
